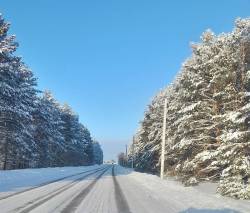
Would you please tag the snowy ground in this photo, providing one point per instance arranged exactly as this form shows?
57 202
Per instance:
172 196
12 181
106 189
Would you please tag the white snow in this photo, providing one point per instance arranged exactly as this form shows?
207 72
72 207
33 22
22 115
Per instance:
190 107
177 198
17 180
144 193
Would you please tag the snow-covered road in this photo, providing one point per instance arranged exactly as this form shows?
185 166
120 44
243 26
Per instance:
106 189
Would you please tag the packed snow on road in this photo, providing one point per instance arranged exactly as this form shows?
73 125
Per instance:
108 189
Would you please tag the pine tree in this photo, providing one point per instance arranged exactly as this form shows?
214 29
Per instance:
16 104
35 131
207 116
97 152
78 142
47 135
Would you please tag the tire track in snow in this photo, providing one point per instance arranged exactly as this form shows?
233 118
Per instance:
121 202
72 206
44 184
43 199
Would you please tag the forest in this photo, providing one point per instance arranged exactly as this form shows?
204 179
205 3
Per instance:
35 129
208 117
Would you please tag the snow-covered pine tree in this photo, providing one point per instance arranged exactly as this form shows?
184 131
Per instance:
47 131
234 152
207 115
228 68
194 129
146 147
85 146
122 159
35 131
16 104
97 152
78 142
61 140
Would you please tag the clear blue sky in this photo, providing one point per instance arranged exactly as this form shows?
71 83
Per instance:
108 58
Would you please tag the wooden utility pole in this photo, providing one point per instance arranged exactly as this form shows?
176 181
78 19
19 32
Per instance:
163 139
132 147
126 155
6 147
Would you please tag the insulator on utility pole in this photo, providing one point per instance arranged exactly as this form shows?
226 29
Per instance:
163 139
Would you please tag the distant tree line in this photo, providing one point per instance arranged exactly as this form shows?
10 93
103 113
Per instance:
98 153
35 130
122 159
208 116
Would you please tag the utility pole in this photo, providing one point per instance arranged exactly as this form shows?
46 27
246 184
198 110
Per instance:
163 139
126 155
132 147
5 148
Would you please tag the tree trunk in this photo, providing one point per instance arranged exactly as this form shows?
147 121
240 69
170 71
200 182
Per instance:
5 154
